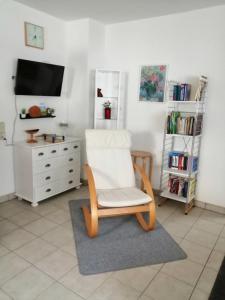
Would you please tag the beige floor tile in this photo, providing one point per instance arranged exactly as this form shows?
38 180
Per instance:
213 217
35 250
16 239
83 285
70 248
144 297
215 260
207 280
27 285
58 292
179 230
56 264
6 227
24 217
60 216
165 287
3 250
180 218
8 209
3 296
222 234
137 278
113 289
44 208
58 236
156 267
208 226
220 245
199 295
40 226
184 270
195 252
10 265
201 237
162 213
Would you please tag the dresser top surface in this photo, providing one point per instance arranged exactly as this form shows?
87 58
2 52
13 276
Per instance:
42 143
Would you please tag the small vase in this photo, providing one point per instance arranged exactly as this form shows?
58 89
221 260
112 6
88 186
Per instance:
107 113
23 116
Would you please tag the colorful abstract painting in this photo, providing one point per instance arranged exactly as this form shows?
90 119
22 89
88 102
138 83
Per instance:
152 83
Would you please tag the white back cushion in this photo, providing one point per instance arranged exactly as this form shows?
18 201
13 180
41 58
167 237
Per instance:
108 154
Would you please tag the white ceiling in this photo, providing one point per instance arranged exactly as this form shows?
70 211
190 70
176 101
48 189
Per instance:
114 11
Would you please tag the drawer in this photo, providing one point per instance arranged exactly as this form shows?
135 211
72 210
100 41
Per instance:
70 158
69 148
70 170
46 177
47 190
68 183
46 165
45 152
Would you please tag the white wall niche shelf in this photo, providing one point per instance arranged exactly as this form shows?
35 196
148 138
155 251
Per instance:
109 82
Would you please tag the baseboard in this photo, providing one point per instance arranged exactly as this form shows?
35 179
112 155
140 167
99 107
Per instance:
212 207
7 197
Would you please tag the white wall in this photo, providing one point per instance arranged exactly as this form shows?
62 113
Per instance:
12 17
191 44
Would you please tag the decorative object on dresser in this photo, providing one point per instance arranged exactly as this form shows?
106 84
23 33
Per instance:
44 169
34 35
152 83
31 133
181 144
107 90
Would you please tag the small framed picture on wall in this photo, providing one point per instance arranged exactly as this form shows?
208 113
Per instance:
34 35
152 83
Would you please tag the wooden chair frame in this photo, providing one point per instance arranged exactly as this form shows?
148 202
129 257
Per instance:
92 214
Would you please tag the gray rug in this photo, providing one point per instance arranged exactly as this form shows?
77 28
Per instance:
121 244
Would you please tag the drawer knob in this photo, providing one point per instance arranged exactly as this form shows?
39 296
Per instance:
70 159
48 190
71 171
75 147
53 151
48 177
71 181
47 165
40 154
65 149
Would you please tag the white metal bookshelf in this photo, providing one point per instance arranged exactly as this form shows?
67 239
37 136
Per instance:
108 81
188 144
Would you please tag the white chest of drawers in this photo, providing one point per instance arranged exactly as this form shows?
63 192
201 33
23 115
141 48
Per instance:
44 169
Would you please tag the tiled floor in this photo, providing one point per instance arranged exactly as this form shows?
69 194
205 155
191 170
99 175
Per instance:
38 258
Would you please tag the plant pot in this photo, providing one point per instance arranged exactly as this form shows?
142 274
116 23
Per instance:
23 116
107 113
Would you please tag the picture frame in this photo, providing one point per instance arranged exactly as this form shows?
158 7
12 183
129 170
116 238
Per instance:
34 35
152 85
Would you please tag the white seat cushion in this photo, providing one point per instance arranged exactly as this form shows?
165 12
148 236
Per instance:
130 196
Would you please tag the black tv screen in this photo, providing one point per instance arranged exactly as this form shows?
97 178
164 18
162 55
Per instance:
38 79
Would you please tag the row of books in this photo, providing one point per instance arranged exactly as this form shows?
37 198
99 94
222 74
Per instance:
181 92
181 187
182 161
180 123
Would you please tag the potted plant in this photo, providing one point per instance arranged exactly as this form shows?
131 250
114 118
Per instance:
107 109
23 114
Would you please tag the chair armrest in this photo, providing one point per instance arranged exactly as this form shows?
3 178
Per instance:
147 184
91 186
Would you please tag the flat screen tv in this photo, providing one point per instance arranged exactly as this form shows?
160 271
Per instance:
38 79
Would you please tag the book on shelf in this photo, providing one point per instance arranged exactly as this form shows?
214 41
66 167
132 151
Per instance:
179 160
181 187
181 92
181 123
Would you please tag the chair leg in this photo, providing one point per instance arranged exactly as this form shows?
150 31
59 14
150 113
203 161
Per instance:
91 222
150 225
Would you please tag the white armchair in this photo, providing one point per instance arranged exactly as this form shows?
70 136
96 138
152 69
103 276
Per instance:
111 180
